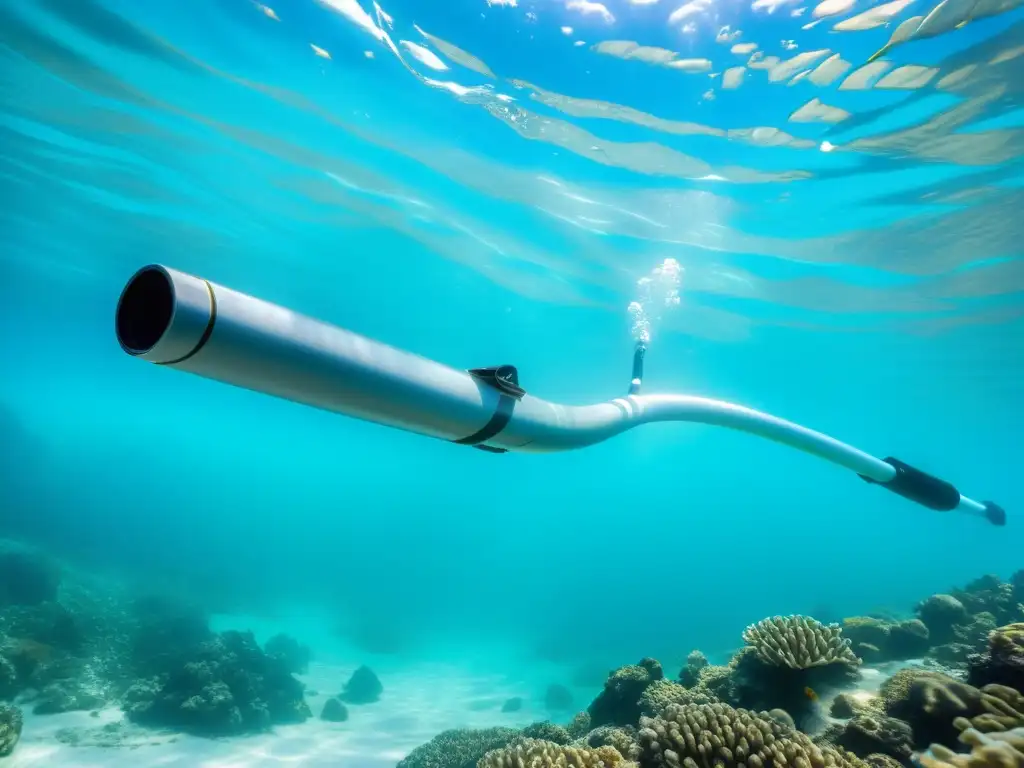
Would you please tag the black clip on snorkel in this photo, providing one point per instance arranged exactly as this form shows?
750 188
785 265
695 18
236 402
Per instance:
637 379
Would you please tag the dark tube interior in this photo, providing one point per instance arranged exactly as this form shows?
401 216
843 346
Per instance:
144 311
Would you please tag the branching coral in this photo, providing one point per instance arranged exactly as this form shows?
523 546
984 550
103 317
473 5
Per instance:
1001 709
996 750
937 707
534 753
718 736
1003 662
799 642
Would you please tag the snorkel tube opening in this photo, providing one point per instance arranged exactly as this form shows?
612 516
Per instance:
145 310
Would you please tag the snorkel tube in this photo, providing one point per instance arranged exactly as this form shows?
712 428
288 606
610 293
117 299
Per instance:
172 319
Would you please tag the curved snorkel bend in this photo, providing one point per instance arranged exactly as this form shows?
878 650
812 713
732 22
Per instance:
169 318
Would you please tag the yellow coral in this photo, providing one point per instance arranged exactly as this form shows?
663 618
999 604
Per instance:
994 750
534 753
718 736
799 642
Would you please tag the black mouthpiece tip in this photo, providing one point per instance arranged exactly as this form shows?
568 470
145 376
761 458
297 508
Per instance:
144 310
994 513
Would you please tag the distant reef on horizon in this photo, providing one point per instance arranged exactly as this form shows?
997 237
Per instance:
70 641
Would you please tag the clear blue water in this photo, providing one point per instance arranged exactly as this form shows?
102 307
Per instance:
503 212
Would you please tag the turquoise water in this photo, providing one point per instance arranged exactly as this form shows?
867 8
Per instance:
465 181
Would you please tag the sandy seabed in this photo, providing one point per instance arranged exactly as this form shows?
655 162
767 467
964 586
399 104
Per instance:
417 704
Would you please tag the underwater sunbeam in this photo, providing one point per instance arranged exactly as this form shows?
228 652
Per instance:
170 318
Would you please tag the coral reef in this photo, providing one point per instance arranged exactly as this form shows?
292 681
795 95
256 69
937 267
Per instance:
799 642
878 760
458 748
547 731
875 639
10 728
661 693
294 655
625 739
618 703
759 710
362 688
875 734
989 594
942 614
160 630
996 750
579 725
847 705
786 657
716 735
937 707
1003 660
696 662
227 686
334 711
534 753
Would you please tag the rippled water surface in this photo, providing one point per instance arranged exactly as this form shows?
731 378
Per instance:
557 148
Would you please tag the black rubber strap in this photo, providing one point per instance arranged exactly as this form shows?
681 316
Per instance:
913 484
502 416
505 379
206 333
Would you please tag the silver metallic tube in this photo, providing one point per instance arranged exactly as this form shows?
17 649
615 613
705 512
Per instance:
180 321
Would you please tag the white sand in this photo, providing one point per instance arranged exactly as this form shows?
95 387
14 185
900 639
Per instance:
417 704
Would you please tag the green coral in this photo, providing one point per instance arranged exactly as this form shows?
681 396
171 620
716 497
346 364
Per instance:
458 748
